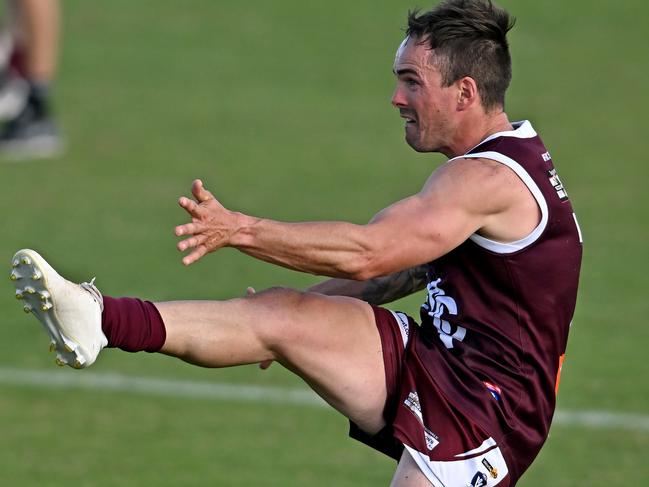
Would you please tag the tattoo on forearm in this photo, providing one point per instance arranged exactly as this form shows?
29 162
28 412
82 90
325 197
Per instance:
385 289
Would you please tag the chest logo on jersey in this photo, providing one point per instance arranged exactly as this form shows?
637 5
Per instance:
437 304
557 184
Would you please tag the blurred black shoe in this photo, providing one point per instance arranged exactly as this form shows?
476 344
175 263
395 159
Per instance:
32 134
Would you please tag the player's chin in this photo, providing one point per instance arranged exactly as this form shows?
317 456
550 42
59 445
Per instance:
412 137
416 144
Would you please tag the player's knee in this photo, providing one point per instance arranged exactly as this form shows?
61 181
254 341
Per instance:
280 301
284 314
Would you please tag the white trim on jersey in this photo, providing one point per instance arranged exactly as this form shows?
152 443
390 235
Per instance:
510 247
460 473
581 238
522 130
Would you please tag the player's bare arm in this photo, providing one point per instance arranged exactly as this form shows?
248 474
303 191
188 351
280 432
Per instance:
377 291
461 197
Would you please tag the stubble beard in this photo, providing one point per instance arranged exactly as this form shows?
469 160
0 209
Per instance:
418 144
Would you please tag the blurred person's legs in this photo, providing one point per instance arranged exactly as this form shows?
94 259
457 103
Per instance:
34 28
13 88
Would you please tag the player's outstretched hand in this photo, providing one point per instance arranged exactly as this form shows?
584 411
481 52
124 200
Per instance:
211 224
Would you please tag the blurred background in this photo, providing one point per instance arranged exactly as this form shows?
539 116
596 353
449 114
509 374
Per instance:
283 109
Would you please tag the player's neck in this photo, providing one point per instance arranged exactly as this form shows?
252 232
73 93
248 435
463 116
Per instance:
475 130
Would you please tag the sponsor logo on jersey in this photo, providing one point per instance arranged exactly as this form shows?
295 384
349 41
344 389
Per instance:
546 156
432 440
412 403
478 480
557 184
492 471
435 306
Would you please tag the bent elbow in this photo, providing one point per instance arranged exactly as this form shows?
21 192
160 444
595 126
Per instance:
364 275
364 268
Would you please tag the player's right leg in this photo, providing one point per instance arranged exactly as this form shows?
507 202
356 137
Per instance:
331 342
74 325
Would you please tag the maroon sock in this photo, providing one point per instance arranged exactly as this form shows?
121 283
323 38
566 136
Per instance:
132 325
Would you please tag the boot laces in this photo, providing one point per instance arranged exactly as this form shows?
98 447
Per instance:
94 292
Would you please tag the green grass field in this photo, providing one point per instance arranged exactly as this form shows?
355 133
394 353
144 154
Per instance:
283 109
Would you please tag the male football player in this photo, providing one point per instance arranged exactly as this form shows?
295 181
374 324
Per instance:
467 397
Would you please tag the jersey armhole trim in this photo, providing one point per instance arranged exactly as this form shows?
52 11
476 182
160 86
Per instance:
533 236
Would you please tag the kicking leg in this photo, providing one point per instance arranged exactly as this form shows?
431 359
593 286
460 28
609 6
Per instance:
331 342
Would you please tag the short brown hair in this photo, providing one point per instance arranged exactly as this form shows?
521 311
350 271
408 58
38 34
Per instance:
469 38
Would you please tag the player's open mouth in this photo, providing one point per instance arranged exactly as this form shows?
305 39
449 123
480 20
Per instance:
408 119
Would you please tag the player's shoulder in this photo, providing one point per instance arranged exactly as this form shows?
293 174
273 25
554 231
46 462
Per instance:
482 173
481 185
475 165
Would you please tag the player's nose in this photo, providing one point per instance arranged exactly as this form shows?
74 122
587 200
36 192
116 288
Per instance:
398 99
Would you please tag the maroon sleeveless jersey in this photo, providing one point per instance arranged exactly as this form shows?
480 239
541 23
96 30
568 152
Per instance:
497 315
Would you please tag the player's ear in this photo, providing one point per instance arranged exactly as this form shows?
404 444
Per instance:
467 93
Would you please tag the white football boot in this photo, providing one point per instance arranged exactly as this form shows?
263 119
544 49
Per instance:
69 312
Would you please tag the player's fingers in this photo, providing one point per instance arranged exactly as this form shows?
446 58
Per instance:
195 255
265 364
189 205
188 229
194 241
199 191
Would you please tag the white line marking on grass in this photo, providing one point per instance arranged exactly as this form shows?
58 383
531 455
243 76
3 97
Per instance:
236 392
602 420
159 387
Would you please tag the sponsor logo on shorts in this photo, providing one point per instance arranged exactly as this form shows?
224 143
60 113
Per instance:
432 440
412 403
403 323
492 471
478 480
